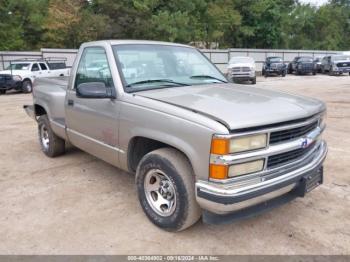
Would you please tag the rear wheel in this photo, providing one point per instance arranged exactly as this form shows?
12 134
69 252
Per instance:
50 143
27 86
2 92
166 189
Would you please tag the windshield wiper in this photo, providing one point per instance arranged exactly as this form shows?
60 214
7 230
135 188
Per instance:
149 81
208 76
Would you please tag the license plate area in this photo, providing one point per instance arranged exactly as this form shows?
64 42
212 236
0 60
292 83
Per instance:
310 181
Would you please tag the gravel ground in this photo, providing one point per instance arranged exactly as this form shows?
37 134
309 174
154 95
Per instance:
77 204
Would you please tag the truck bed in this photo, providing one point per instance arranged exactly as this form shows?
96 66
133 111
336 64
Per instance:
50 94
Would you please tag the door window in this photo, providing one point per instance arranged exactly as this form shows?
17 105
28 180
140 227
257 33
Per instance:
43 66
35 67
93 67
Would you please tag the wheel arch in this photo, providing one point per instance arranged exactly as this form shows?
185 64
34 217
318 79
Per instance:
39 110
27 79
139 146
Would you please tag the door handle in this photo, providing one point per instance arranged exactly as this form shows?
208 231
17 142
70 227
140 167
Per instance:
70 102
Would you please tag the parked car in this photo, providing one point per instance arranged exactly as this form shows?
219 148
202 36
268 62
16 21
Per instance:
274 65
199 146
336 64
302 65
20 75
241 68
318 64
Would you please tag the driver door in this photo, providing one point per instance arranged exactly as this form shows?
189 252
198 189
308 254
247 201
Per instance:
92 123
36 70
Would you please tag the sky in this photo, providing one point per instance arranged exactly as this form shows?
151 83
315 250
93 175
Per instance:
314 2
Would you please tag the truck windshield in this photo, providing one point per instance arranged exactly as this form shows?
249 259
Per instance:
24 66
150 66
275 60
236 60
305 59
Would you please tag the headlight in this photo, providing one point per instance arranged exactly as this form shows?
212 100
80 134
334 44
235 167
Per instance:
224 146
248 143
17 78
245 168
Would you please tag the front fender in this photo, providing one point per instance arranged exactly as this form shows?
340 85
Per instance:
189 137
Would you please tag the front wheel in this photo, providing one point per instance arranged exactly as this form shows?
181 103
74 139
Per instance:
27 86
253 80
166 189
2 92
50 143
283 73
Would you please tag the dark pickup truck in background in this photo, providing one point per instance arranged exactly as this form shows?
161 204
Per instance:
274 65
8 82
302 65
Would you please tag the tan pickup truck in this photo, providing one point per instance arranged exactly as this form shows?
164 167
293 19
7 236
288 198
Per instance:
199 146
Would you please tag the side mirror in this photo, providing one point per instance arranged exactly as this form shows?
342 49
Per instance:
94 90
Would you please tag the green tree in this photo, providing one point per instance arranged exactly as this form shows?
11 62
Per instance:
70 23
21 24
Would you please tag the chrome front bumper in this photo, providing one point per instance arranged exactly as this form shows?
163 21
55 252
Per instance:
226 198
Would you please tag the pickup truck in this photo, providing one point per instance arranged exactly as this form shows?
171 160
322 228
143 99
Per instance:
302 65
336 64
198 145
20 75
274 65
241 68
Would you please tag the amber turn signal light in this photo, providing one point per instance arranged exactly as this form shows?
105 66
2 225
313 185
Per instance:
218 171
220 146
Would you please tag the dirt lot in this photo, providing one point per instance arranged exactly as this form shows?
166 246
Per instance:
77 204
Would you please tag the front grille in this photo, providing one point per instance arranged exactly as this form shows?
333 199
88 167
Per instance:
284 158
277 65
343 64
240 69
307 66
289 134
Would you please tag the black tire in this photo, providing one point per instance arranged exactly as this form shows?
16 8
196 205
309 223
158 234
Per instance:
2 92
55 145
314 72
283 73
179 173
253 80
27 86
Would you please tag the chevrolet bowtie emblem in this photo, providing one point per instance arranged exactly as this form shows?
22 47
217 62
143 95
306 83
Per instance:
306 142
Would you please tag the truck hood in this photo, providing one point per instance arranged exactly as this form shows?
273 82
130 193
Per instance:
238 106
241 65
